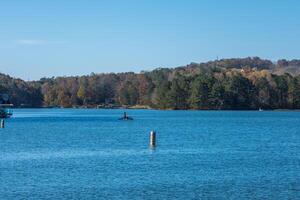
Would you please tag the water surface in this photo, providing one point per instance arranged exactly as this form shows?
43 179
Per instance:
89 154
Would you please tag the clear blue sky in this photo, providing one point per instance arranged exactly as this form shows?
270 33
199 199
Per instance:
74 37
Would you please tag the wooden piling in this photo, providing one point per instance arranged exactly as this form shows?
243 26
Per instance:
2 123
152 139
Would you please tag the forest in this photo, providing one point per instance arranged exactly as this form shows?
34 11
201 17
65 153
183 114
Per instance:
226 84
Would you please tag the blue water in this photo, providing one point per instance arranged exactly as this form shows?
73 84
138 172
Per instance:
89 154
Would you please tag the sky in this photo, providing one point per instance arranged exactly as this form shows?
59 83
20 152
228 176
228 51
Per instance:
43 38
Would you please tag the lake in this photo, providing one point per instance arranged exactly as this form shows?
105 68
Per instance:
90 154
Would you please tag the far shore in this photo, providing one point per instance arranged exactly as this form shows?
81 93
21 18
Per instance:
142 107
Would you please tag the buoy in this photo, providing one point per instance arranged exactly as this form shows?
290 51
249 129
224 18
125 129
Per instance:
152 139
2 123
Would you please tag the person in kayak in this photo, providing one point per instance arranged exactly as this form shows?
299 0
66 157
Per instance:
125 117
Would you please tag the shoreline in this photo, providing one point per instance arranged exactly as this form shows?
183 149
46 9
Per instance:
149 108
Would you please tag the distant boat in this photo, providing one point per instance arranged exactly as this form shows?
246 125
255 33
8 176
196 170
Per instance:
125 117
260 109
4 113
5 103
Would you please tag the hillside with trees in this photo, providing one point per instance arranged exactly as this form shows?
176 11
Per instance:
244 83
21 93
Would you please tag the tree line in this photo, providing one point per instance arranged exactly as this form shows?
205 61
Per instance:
224 84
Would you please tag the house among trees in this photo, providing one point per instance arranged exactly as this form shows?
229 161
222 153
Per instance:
4 99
